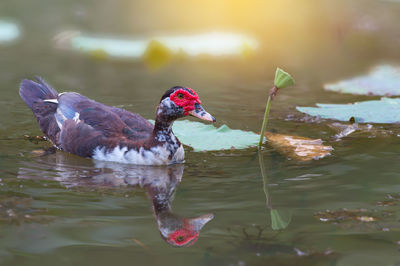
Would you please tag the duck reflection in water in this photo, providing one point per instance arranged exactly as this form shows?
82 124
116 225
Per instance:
159 182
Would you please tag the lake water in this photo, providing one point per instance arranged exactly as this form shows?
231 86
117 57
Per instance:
61 209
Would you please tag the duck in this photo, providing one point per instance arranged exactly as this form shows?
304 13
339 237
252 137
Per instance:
76 124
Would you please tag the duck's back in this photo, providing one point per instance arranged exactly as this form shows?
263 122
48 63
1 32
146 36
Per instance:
78 124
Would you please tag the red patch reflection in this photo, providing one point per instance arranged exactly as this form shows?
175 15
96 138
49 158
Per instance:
182 237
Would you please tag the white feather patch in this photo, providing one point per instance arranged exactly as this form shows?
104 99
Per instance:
76 117
60 118
51 101
155 156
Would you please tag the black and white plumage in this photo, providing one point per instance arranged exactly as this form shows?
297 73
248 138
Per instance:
79 125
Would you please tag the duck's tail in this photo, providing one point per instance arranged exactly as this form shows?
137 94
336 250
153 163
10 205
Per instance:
31 91
35 94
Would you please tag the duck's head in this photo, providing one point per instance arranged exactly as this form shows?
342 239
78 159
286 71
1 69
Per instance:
179 102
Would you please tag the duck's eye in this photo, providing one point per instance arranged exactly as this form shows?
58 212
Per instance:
180 96
179 238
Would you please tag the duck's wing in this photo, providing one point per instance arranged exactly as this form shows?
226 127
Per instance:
76 107
79 138
136 123
86 124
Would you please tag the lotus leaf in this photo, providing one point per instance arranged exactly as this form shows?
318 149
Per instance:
384 111
383 80
202 137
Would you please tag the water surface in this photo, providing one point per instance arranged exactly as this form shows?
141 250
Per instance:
60 208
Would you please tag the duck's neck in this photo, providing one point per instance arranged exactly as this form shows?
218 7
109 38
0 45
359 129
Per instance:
162 127
163 130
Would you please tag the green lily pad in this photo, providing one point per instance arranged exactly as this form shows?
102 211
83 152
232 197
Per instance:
8 31
206 137
385 111
383 80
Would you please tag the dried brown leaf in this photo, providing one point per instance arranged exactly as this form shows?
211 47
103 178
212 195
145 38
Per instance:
298 148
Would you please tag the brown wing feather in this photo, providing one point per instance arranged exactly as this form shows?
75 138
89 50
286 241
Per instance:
103 126
141 128
82 139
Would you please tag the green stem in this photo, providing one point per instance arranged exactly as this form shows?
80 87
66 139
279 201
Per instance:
265 121
265 179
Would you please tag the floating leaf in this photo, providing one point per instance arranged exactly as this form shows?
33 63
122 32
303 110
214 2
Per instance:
113 47
8 31
202 137
383 80
282 79
213 43
385 111
206 137
299 148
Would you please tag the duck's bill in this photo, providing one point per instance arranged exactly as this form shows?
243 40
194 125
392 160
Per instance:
199 112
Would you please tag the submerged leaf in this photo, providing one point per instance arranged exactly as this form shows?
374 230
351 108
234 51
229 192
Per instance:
383 80
385 111
282 79
299 148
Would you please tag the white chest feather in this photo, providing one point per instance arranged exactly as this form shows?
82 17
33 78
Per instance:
159 155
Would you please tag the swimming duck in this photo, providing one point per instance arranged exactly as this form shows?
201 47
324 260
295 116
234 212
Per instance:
79 125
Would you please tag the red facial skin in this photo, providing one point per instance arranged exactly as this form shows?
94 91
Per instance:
187 101
182 237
